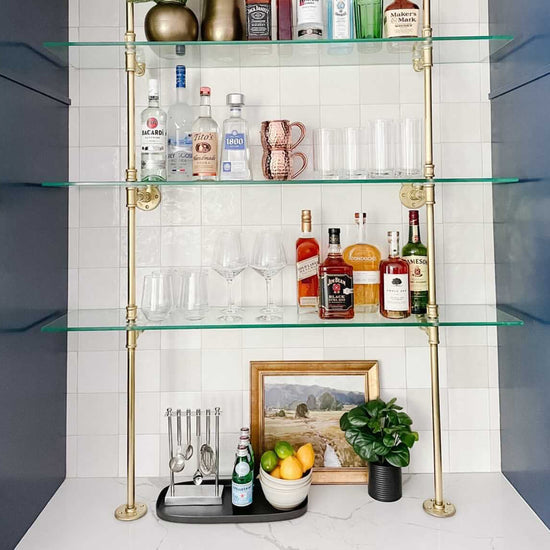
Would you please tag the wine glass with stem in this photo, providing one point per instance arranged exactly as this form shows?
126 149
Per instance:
268 259
229 261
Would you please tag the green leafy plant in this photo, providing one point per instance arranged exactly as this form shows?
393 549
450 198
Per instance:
380 432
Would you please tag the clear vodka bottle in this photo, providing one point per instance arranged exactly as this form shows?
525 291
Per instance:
180 132
153 138
206 134
235 163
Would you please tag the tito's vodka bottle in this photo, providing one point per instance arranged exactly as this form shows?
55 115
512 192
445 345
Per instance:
206 133
307 267
395 298
336 282
235 150
153 138
180 127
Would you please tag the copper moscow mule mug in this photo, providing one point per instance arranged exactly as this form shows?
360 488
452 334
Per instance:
277 134
277 164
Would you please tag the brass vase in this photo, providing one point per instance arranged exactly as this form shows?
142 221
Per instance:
222 20
171 21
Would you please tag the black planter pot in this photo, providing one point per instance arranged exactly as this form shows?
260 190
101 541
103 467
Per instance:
385 482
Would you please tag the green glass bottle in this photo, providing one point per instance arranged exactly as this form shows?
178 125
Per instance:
245 440
241 482
416 255
368 18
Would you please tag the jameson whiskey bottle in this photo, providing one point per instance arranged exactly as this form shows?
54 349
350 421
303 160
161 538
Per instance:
416 255
336 282
205 142
401 20
365 260
307 267
241 482
395 298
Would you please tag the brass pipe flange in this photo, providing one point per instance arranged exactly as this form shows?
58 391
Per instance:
148 198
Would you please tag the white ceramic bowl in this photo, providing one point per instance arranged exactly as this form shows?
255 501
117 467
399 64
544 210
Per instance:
284 494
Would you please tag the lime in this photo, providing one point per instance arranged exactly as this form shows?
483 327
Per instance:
283 449
269 461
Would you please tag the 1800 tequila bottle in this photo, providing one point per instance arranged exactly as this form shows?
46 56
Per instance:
235 151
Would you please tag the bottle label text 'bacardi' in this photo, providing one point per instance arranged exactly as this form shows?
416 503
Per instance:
153 136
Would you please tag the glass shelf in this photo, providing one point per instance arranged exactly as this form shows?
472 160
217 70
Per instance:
283 53
276 182
115 320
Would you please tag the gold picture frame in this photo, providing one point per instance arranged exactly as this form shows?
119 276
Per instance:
321 419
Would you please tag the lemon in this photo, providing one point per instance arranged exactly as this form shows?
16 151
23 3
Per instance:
291 468
306 455
269 461
276 473
283 449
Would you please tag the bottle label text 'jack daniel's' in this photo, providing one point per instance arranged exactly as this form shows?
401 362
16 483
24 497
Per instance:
401 23
336 292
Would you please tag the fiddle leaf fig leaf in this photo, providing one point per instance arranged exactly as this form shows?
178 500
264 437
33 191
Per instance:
345 424
404 418
388 441
363 446
375 407
409 438
357 418
399 456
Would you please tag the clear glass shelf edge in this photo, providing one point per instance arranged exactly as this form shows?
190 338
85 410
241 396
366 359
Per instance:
115 320
280 53
280 182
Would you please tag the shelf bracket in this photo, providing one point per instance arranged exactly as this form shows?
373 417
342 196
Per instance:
148 198
412 196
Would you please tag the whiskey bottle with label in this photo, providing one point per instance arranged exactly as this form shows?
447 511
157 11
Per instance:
206 134
258 19
416 254
335 282
395 298
307 267
365 260
401 20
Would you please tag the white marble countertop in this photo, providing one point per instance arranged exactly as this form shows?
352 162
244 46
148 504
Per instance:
490 516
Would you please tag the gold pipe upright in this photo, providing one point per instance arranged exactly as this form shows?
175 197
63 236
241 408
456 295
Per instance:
131 510
436 506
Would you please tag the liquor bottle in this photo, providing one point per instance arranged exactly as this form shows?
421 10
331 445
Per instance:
368 18
153 138
235 150
180 132
258 19
307 267
242 478
309 19
365 260
335 282
416 254
340 19
395 298
284 19
205 142
401 19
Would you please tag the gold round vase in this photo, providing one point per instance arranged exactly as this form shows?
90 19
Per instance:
171 21
221 21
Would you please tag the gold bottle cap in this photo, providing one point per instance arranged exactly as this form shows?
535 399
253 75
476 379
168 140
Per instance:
306 221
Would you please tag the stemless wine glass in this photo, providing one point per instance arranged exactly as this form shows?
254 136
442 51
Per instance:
229 261
410 147
327 150
383 148
194 295
158 296
268 259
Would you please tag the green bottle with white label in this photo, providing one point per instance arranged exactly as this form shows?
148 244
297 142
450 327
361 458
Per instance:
243 475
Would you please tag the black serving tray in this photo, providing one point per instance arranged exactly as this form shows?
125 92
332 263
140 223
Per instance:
260 510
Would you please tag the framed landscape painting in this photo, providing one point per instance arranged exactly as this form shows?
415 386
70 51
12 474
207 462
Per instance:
302 402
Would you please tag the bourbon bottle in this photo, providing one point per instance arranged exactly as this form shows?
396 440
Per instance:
307 267
365 260
395 298
401 20
336 282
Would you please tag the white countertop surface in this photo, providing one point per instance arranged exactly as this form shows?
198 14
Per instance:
490 516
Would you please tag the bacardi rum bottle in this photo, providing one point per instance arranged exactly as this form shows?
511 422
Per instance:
416 254
242 478
365 260
206 135
336 282
401 19
153 138
307 267
395 298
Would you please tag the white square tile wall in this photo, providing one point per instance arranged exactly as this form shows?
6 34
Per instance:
190 369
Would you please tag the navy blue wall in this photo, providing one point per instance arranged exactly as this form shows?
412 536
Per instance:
33 262
520 83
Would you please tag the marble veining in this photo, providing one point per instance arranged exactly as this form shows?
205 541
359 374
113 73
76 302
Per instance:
491 516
